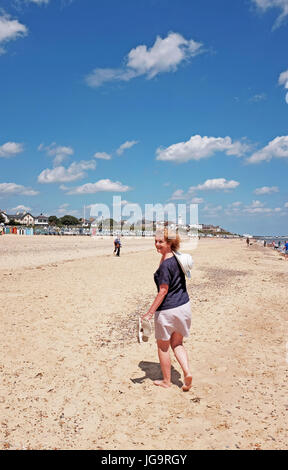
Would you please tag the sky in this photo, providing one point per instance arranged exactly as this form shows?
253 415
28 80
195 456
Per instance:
156 101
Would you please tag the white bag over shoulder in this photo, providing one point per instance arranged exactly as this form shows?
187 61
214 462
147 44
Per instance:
186 262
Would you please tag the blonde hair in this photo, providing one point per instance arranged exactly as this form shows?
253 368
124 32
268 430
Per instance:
171 237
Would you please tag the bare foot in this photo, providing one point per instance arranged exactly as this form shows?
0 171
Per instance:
187 383
161 383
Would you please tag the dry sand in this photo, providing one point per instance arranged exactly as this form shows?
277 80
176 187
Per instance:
74 377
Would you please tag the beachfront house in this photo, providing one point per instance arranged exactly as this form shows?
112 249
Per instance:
5 217
211 228
85 222
42 220
23 218
194 227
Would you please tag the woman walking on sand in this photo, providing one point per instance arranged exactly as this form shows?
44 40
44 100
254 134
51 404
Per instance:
171 310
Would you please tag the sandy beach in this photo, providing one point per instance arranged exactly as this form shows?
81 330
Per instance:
74 377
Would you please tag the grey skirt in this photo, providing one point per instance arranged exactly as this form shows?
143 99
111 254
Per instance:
172 320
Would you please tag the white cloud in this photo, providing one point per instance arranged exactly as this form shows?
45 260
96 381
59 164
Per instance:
286 204
255 208
102 155
127 145
257 204
214 185
10 30
39 2
210 208
123 202
283 80
60 174
200 147
21 208
58 152
258 210
63 206
178 195
164 56
277 148
100 186
64 210
266 190
197 200
234 208
280 4
45 2
258 97
100 76
13 188
258 207
10 149
212 211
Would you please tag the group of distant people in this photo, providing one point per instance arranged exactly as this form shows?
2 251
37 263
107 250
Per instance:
279 245
276 246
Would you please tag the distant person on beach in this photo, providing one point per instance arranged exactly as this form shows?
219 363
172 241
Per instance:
171 310
117 246
265 243
247 241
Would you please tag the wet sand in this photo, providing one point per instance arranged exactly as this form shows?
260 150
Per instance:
74 377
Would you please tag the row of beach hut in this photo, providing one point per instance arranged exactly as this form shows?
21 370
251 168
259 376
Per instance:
18 230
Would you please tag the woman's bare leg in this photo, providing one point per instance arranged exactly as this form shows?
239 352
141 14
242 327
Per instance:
181 356
165 363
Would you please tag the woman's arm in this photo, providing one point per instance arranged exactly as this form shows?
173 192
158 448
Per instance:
157 301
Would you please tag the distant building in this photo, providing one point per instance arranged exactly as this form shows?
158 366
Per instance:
23 218
212 228
5 217
85 222
42 220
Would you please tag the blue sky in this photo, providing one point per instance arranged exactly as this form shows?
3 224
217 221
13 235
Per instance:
157 101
